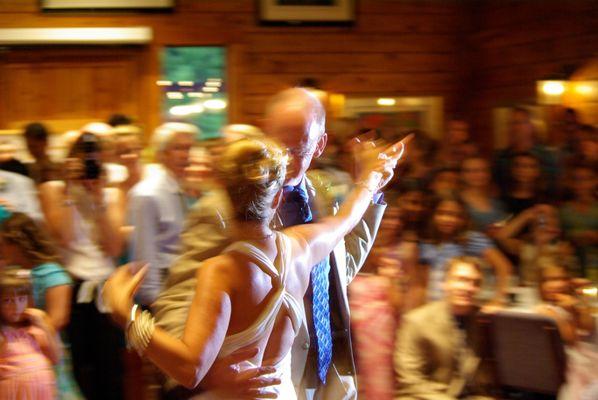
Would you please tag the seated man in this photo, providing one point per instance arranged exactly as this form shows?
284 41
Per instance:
434 354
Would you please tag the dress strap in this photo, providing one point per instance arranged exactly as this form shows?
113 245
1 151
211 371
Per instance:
257 255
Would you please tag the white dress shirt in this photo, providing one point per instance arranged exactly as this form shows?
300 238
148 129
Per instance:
157 209
20 193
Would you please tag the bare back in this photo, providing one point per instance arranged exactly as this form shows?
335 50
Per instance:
266 298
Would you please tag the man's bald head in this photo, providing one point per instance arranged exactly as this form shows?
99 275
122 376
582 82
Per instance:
299 100
296 118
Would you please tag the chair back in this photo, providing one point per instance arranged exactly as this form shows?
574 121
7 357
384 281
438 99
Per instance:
528 352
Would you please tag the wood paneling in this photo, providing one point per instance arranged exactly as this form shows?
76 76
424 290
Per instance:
395 47
515 43
68 84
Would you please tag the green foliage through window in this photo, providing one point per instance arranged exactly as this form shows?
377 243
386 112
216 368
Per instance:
194 87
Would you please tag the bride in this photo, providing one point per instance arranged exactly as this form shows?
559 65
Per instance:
251 294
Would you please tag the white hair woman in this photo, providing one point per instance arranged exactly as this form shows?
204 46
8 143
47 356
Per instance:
251 294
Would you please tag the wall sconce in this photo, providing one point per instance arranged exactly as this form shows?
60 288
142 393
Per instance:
583 91
552 88
551 91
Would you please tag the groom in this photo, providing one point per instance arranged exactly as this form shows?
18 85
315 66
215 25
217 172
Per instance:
323 365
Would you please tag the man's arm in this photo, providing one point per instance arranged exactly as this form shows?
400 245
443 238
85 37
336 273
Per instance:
409 362
360 240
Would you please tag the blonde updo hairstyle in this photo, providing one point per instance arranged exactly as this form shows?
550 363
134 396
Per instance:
252 171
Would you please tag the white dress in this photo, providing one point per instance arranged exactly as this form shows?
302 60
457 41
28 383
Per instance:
262 327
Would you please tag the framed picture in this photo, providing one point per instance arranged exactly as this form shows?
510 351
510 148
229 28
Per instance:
306 12
394 115
65 5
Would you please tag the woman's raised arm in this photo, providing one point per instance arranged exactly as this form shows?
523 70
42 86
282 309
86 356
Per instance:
313 242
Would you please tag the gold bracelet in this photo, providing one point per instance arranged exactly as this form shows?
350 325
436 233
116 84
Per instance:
140 332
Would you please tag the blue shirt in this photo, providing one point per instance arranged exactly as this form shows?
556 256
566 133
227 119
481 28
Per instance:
437 255
44 277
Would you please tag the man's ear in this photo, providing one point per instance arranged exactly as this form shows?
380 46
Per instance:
321 145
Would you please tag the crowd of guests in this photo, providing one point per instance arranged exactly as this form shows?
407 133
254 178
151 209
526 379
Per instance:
525 213
461 233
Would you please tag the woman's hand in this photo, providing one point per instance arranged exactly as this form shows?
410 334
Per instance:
37 317
120 289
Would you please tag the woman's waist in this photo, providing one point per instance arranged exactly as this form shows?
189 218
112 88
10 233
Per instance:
88 266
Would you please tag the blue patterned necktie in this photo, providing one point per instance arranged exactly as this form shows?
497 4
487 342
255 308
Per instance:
295 210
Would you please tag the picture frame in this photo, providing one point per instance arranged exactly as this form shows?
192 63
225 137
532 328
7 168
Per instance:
425 113
306 12
104 5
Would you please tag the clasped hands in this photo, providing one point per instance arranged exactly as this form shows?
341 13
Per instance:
375 162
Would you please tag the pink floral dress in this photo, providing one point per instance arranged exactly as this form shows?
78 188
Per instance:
374 325
25 372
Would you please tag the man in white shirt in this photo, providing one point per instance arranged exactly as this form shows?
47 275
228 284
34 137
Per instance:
158 206
18 193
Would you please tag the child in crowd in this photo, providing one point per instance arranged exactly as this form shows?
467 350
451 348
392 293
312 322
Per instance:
24 243
449 236
28 345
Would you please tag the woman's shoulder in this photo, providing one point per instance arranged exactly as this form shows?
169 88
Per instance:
227 264
53 274
52 187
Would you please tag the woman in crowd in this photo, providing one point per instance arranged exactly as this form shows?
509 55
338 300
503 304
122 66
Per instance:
252 293
485 210
579 217
449 236
444 182
545 240
524 188
28 343
128 147
24 243
85 218
376 298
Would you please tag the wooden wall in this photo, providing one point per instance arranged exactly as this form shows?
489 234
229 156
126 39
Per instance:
514 43
395 48
476 54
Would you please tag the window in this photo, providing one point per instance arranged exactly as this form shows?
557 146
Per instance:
194 87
